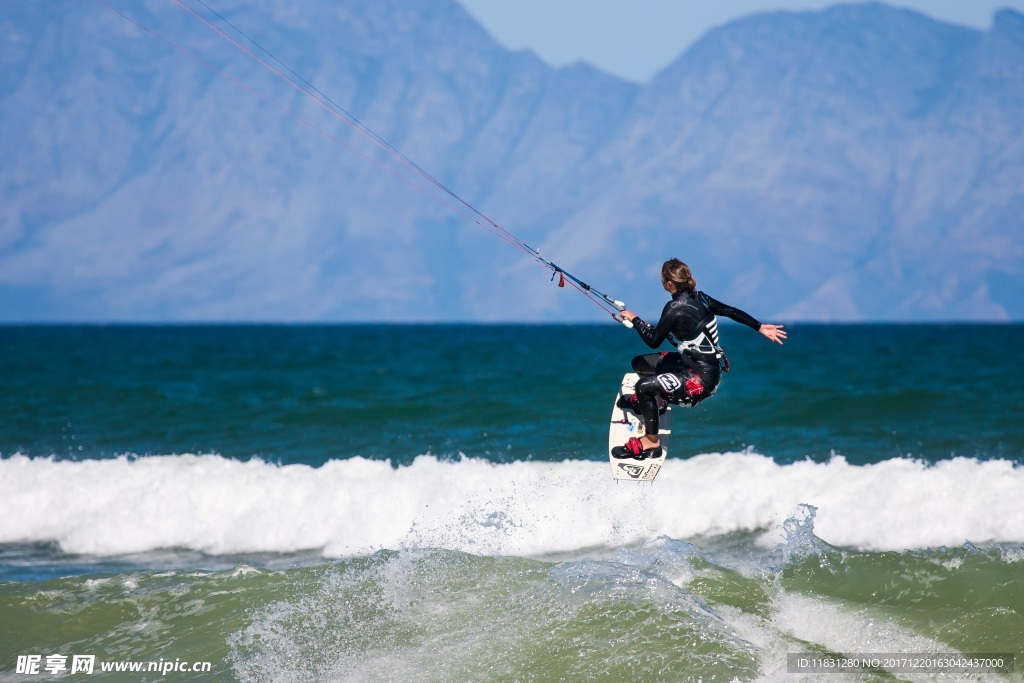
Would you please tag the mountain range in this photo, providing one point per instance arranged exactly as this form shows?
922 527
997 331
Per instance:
857 163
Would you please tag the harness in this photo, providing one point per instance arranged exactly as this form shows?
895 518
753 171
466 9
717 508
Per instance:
704 346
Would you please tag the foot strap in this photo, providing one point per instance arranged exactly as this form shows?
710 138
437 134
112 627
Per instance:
634 449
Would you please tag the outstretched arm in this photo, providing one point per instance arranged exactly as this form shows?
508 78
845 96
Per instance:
773 333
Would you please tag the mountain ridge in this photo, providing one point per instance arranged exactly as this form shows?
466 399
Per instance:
871 170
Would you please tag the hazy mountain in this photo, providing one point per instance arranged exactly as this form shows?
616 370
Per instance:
861 162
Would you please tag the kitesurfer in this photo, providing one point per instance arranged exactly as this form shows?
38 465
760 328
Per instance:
690 374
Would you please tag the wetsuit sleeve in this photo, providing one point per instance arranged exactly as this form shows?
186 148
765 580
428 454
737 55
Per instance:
718 308
654 335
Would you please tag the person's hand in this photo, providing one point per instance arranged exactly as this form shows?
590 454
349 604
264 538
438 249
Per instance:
774 333
627 315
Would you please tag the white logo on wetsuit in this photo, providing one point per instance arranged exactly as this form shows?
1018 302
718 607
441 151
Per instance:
670 383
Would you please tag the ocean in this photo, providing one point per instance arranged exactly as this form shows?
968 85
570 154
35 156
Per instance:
434 503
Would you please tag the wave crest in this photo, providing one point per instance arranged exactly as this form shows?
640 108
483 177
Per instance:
357 506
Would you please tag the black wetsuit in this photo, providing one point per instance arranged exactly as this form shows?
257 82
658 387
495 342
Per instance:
691 375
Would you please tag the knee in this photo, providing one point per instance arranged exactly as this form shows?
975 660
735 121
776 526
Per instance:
645 364
648 386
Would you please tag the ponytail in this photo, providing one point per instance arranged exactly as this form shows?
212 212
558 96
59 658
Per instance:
678 273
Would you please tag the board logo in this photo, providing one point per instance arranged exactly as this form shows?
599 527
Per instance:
633 470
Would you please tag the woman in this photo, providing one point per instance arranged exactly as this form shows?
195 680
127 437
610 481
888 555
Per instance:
689 375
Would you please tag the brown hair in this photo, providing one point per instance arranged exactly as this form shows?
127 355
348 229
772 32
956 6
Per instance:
678 273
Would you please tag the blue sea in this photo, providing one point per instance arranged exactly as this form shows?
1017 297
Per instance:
435 503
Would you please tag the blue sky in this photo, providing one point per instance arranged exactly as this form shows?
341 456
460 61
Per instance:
635 39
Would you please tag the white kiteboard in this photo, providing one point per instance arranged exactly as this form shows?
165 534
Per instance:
626 424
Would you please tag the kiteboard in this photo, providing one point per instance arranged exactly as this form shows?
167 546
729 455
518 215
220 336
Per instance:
626 424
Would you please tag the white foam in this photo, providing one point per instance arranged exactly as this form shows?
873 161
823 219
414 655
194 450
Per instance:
356 506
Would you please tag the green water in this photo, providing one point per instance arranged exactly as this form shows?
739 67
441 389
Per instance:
669 611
